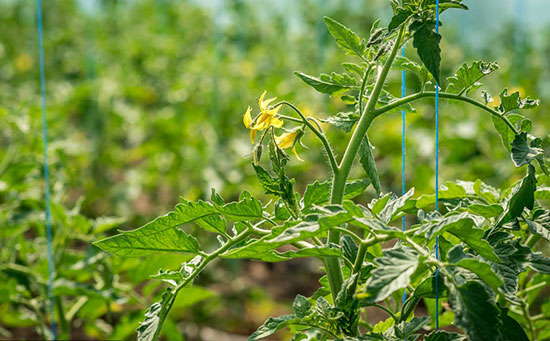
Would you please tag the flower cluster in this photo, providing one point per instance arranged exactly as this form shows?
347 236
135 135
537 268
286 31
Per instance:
267 119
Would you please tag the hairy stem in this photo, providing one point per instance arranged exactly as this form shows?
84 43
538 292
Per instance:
332 264
317 132
210 257
411 98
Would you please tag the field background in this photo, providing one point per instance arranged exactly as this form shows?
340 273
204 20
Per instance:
145 104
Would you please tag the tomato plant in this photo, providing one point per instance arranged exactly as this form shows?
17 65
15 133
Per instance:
486 270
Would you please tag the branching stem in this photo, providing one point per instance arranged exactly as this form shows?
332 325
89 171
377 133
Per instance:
332 264
411 98
317 132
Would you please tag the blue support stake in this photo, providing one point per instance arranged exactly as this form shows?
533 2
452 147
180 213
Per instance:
436 175
46 166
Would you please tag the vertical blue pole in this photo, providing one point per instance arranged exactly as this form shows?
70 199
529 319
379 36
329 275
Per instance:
403 186
436 175
46 167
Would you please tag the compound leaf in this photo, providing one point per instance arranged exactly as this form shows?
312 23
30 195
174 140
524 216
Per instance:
345 38
392 273
329 84
342 120
272 325
466 78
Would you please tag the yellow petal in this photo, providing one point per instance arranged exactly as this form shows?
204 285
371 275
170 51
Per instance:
267 101
296 154
263 122
247 119
277 123
252 135
286 140
261 100
275 110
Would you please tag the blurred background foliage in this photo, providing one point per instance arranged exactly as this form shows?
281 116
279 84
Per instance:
145 103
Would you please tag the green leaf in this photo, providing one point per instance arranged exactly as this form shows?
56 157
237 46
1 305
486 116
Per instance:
246 208
345 38
426 41
506 134
265 251
399 18
354 68
369 165
444 336
301 306
404 63
448 4
511 329
451 190
487 211
350 248
392 273
405 329
489 193
216 198
160 235
150 328
523 196
273 325
475 311
466 78
474 238
342 120
291 232
347 305
426 289
457 257
541 225
329 84
462 221
522 152
514 102
396 206
349 100
212 223
269 184
318 193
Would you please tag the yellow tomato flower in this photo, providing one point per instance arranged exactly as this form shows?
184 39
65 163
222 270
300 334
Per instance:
290 139
265 120
247 120
267 117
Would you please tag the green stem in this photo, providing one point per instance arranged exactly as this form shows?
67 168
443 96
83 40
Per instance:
387 311
210 257
533 287
532 240
527 316
360 257
349 233
411 98
318 133
332 264
64 327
